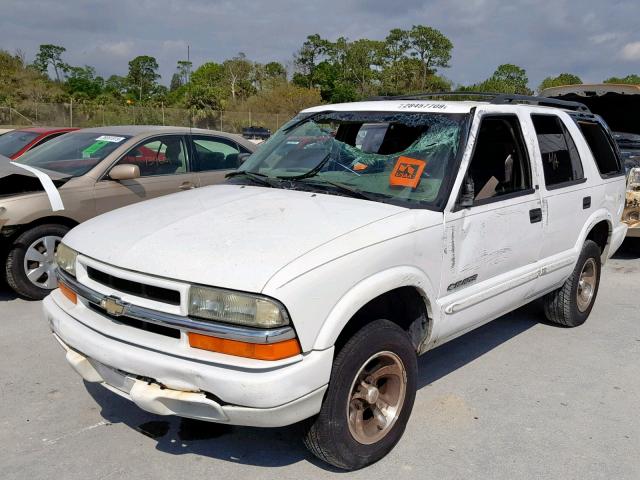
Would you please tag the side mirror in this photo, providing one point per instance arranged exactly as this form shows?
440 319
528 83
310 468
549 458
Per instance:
125 171
467 193
242 157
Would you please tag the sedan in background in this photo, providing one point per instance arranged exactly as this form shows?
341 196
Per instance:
75 177
15 143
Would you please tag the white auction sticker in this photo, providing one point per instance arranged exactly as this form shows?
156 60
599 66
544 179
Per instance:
109 138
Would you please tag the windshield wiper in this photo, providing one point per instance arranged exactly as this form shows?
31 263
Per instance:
311 173
341 187
259 178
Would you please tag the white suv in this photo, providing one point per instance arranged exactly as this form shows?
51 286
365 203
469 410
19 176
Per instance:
306 286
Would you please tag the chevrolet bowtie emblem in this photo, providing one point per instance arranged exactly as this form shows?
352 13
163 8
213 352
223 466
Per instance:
113 306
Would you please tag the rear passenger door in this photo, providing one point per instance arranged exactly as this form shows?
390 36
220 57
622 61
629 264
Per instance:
164 168
566 196
493 243
214 157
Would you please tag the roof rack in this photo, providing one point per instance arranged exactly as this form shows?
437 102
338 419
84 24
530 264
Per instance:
495 98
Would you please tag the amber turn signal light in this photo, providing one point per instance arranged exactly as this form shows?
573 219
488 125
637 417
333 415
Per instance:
67 292
259 351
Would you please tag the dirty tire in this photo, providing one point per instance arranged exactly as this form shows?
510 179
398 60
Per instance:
16 275
561 306
329 436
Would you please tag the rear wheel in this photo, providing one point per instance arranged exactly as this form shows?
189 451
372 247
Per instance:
30 266
571 304
369 399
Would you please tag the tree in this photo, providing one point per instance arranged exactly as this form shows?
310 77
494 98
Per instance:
50 55
284 98
511 74
116 86
308 57
83 81
237 74
362 61
507 78
184 70
143 76
431 47
559 81
632 79
176 82
396 47
275 70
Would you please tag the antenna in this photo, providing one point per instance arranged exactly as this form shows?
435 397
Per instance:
189 87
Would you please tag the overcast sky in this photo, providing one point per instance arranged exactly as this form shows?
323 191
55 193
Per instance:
594 39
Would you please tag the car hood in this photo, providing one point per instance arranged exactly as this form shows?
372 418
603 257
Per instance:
16 181
229 236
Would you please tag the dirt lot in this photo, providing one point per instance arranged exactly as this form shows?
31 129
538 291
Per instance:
515 399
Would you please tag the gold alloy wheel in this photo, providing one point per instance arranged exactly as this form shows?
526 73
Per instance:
376 397
586 285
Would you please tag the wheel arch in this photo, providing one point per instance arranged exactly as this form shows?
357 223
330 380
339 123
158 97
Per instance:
599 229
401 295
50 219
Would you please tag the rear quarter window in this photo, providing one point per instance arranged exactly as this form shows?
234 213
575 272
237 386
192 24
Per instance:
602 148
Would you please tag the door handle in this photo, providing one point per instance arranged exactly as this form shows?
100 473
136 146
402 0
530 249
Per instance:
586 203
187 186
535 215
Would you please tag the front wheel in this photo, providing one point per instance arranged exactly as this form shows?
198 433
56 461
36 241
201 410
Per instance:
30 267
571 304
369 399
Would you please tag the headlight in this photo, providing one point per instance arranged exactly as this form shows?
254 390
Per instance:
237 308
66 259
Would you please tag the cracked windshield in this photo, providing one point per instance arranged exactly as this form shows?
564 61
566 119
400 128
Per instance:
394 157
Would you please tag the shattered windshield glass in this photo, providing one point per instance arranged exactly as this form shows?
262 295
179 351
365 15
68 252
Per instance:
394 156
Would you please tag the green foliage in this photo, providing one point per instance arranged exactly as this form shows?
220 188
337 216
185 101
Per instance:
405 61
237 76
284 98
82 82
142 77
432 47
507 78
50 55
559 81
632 79
19 82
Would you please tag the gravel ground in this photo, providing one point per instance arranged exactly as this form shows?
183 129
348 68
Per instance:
515 399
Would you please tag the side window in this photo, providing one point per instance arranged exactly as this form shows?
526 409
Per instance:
165 155
214 153
560 158
601 147
500 164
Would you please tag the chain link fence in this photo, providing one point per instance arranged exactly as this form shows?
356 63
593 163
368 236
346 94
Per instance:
80 115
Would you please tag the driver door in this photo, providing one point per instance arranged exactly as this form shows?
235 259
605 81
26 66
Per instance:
164 167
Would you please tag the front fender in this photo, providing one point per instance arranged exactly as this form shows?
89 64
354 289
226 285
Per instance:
365 291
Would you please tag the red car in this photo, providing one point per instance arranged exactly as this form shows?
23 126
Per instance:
15 143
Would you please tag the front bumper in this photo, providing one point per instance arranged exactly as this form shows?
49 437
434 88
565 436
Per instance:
213 387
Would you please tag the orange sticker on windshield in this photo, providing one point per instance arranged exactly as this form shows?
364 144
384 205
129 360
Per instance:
407 172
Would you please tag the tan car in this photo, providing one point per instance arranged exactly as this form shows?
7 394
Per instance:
91 171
